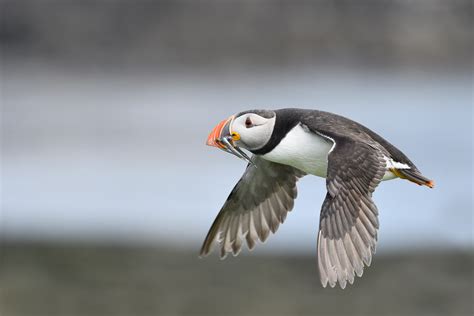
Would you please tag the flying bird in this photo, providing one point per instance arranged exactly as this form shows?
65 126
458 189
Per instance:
288 144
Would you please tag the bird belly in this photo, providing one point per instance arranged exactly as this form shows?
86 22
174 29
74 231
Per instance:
303 150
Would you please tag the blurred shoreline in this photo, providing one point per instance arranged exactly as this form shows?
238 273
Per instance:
82 279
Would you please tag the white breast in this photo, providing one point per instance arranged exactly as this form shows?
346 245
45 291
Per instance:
303 150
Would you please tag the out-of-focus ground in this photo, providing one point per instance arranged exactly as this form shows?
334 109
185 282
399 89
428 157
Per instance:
75 279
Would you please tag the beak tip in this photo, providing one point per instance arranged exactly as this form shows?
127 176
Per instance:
212 144
214 136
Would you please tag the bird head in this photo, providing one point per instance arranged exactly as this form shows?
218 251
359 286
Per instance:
249 130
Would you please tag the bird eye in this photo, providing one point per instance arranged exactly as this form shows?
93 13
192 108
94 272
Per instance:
248 122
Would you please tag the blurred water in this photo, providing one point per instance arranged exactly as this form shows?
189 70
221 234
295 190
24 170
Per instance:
95 154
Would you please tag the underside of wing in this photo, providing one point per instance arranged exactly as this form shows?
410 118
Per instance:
257 205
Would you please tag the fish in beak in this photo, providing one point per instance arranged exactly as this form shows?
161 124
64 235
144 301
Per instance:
223 138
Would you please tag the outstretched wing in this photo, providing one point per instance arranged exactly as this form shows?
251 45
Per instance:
348 222
257 205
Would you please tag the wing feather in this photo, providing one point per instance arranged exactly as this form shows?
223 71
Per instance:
349 223
257 205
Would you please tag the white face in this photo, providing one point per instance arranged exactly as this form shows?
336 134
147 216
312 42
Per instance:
254 130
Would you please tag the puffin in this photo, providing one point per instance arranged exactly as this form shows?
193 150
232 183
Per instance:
282 146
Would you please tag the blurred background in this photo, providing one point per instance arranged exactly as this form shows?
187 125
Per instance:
108 189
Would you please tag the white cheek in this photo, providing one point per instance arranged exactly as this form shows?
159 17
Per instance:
251 138
238 126
254 137
248 137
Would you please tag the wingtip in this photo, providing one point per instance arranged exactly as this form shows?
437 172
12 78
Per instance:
202 254
324 282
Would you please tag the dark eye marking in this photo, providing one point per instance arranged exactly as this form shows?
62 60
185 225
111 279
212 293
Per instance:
248 122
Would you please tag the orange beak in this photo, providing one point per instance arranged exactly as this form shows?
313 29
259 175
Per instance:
222 138
214 138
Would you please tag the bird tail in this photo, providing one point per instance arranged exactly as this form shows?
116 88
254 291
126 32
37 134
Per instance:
413 176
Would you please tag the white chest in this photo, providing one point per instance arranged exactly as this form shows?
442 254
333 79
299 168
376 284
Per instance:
303 150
